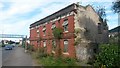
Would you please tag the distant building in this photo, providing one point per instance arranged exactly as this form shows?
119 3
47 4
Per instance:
115 31
114 35
83 31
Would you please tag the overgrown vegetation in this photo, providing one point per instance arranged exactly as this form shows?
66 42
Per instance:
30 47
57 32
40 53
108 56
78 39
51 61
77 31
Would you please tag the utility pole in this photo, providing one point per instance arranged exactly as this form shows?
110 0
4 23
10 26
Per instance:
26 46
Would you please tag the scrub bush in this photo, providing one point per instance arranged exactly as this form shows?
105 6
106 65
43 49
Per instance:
108 56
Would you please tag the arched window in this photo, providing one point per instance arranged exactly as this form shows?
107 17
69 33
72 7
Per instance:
65 45
65 25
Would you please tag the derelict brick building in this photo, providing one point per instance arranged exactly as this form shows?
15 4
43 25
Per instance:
82 31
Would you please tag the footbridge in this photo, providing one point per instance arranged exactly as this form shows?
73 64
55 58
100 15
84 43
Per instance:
12 36
23 37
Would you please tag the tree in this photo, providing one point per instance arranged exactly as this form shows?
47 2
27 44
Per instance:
57 32
116 6
2 43
11 42
101 12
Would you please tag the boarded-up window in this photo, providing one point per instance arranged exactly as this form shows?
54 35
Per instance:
53 45
65 45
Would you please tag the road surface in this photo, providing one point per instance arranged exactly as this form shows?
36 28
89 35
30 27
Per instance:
0 56
16 57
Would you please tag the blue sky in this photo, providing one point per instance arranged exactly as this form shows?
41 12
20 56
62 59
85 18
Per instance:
17 15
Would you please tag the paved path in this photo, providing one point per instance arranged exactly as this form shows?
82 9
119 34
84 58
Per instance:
16 57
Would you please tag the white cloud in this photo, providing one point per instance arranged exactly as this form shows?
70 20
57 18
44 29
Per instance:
11 22
97 0
24 6
19 7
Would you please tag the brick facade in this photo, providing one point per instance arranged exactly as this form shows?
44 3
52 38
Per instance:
49 36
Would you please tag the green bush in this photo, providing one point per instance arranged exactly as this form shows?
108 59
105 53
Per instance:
40 53
69 61
30 47
57 32
49 61
108 56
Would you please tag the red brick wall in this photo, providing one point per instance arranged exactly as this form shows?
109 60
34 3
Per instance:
49 46
33 35
71 24
40 30
68 35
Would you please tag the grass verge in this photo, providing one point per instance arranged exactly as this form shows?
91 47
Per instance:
52 61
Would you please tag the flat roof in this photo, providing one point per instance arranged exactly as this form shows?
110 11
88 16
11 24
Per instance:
116 29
